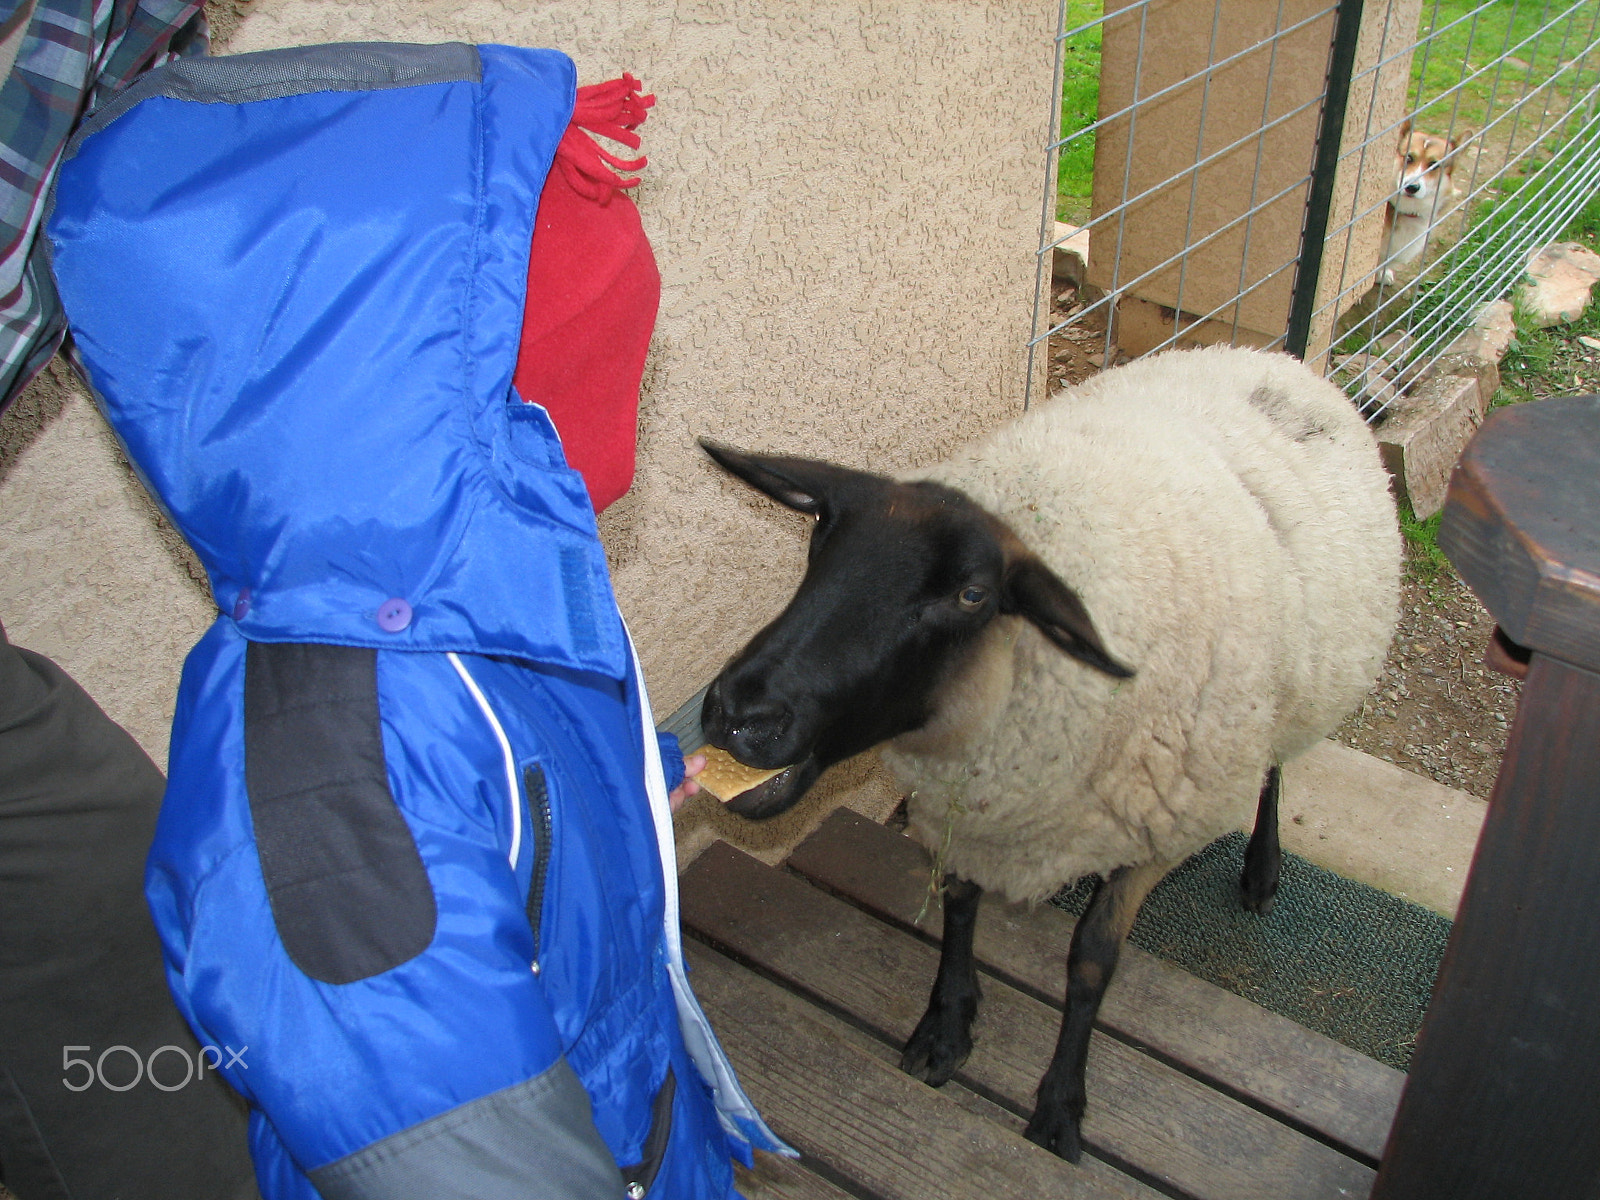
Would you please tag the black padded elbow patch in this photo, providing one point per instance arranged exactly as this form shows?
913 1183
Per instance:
349 893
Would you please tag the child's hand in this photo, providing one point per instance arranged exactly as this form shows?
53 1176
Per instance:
692 766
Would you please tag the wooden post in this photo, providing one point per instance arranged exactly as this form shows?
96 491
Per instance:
1503 1099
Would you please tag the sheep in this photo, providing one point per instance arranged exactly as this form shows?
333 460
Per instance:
1089 640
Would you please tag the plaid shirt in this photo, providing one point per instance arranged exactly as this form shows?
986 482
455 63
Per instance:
65 57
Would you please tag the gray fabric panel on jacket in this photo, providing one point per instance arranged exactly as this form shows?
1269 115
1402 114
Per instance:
294 71
536 1139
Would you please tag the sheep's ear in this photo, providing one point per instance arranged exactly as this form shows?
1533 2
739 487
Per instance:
803 484
1034 591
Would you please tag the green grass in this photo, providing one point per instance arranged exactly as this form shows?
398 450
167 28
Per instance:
1477 63
1080 99
1474 64
1585 227
1540 363
1426 563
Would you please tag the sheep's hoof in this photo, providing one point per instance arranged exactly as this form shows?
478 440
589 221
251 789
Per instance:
1262 906
1258 896
1057 1132
935 1052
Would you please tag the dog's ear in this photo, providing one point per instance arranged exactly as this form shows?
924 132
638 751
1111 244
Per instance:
1405 131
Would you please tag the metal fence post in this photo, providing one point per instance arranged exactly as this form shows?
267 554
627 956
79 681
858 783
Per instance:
1325 166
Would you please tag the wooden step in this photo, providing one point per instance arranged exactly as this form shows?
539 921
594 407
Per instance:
775 1178
984 1110
1147 1119
851 1113
1300 1077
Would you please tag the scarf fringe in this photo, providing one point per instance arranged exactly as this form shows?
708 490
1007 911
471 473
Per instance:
613 110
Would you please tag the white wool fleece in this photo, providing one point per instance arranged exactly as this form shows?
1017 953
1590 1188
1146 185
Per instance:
1226 519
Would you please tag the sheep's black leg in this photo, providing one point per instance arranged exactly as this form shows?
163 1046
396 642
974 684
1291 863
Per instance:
1096 946
1263 858
943 1038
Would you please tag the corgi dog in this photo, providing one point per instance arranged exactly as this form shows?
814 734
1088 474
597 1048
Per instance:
1423 192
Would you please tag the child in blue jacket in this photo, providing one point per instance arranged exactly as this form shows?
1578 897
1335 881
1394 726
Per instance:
413 873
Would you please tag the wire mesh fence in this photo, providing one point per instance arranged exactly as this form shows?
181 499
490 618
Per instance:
1235 173
1509 92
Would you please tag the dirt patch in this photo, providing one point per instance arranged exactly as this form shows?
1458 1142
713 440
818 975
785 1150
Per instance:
1437 710
1079 350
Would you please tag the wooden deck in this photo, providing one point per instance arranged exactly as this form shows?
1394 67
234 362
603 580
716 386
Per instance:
814 976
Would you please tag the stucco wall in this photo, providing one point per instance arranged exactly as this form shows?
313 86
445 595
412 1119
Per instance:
844 202
89 572
1146 52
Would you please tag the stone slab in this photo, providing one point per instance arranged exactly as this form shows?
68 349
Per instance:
1070 260
1369 820
1490 335
1425 434
1560 280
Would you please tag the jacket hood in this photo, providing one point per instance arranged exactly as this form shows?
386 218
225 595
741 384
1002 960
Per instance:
295 282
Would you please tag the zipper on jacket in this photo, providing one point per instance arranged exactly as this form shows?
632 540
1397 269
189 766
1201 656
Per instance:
638 1178
539 816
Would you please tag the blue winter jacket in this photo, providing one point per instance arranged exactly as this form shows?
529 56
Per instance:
414 872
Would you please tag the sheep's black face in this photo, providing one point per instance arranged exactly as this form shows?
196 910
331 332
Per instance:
900 581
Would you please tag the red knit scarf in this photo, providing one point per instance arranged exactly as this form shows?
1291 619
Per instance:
593 290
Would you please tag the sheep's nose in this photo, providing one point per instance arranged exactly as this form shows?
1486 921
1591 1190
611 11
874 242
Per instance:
754 734
750 730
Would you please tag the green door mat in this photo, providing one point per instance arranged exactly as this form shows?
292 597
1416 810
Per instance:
1347 960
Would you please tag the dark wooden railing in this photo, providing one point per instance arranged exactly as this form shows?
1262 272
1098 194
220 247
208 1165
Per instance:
1503 1099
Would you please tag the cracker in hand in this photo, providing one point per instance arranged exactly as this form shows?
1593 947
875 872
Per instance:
726 777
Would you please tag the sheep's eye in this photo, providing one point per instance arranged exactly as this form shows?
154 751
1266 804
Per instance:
972 598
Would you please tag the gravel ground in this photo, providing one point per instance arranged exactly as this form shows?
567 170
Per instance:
1437 710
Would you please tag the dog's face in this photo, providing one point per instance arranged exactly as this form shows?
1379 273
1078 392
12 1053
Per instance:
1423 163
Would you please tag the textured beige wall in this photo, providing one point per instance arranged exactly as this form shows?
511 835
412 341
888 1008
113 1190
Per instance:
843 199
1149 50
844 202
90 574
